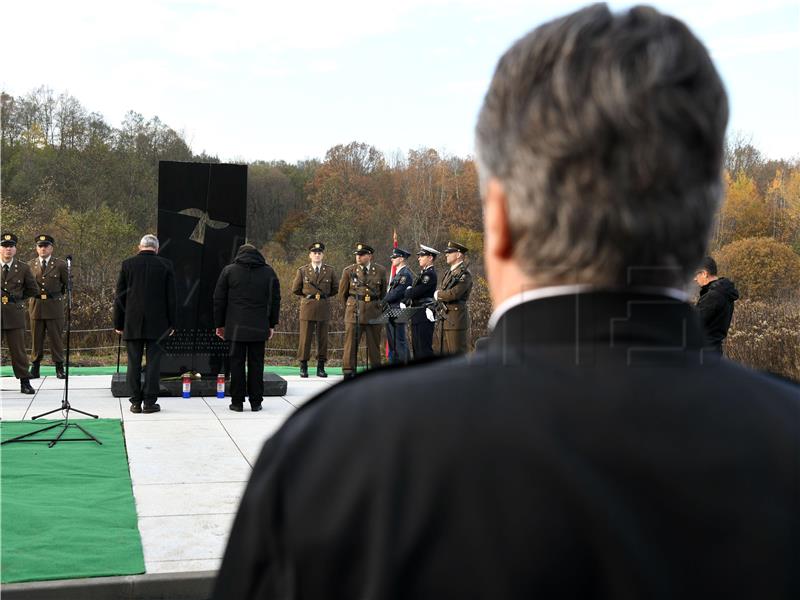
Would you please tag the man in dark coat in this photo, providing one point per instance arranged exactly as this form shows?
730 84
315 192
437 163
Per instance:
420 295
715 305
144 314
18 286
589 451
247 304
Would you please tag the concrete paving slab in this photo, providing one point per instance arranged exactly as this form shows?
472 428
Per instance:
183 432
81 382
270 408
174 499
104 408
182 566
14 409
172 409
249 437
196 537
219 460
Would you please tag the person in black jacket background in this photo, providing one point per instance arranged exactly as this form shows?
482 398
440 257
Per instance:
145 310
717 295
421 294
247 303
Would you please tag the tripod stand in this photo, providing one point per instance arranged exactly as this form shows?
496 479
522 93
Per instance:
65 405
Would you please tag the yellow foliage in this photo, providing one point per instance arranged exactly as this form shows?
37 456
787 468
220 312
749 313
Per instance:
762 268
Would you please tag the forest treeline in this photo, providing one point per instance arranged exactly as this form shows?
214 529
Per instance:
67 171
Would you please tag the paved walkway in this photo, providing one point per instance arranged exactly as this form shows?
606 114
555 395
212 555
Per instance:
189 463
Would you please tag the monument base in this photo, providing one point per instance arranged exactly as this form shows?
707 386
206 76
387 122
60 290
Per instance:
274 385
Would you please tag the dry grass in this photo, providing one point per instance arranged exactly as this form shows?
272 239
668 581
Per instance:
766 337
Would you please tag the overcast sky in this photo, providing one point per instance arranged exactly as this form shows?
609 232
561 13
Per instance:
288 80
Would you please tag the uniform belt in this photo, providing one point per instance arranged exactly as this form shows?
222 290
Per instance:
423 301
363 297
316 296
54 296
8 298
455 302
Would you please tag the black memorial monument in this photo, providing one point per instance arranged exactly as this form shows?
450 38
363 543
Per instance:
202 221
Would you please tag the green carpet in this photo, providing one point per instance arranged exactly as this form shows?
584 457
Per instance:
7 371
67 511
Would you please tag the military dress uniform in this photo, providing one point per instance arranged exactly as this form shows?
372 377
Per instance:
396 332
421 295
47 308
18 285
452 295
315 286
362 288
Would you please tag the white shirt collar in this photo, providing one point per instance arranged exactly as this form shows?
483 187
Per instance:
455 266
571 290
9 263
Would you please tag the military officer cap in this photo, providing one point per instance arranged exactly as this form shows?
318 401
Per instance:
363 249
400 253
317 247
9 239
427 251
456 247
44 239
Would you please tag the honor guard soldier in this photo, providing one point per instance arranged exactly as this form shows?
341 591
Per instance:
362 287
18 284
402 280
47 307
315 283
421 294
452 295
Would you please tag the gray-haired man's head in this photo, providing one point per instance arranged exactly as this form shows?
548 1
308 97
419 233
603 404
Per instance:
149 242
604 133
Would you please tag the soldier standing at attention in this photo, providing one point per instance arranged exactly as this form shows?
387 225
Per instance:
18 284
315 283
47 307
402 280
362 287
421 294
453 293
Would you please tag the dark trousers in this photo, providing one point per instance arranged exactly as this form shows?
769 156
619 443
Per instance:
136 349
15 340
253 354
398 344
422 339
306 331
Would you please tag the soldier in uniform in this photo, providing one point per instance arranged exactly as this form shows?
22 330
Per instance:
402 280
452 295
362 287
315 283
421 294
18 284
47 307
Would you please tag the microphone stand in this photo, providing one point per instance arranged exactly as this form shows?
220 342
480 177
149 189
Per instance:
65 405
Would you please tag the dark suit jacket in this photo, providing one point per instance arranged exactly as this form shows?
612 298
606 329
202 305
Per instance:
421 293
145 304
587 453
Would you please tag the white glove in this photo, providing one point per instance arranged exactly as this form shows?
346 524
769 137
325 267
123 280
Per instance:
429 314
436 295
402 306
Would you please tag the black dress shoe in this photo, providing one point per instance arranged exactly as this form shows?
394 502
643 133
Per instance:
60 371
303 368
236 406
34 374
255 407
151 408
348 374
136 407
25 387
321 369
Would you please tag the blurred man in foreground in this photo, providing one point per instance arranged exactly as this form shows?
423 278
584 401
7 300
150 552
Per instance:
587 452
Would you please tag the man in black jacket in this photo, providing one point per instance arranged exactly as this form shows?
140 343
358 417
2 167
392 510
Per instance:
247 304
144 314
715 305
420 295
588 452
